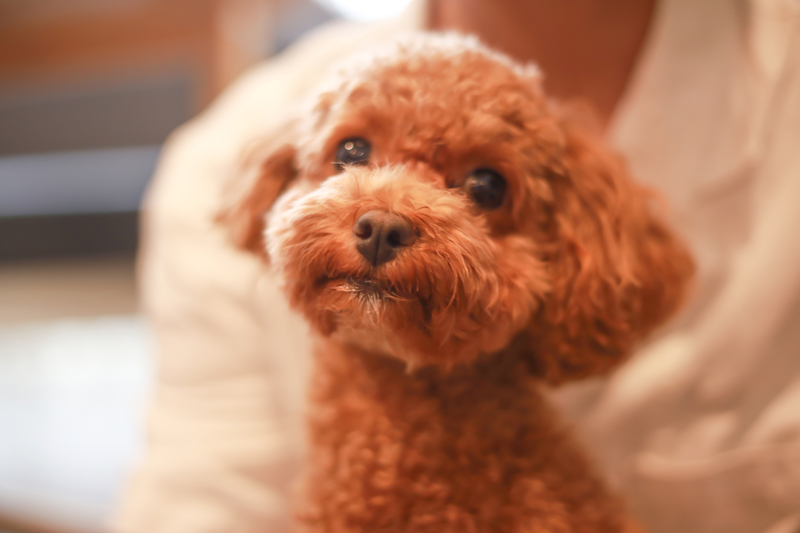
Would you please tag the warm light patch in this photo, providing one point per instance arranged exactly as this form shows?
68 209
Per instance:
365 10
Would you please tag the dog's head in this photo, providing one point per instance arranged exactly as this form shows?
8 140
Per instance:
436 205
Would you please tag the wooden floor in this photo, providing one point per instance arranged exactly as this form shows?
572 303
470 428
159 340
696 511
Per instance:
67 288
10 524
34 293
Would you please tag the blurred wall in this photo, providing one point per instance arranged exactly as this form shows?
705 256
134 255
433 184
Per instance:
90 89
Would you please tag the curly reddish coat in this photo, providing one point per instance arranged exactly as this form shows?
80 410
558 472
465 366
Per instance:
426 412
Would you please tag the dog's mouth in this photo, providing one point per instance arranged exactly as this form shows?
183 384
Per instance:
371 297
367 287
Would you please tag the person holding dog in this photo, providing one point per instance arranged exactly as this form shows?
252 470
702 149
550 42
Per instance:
700 431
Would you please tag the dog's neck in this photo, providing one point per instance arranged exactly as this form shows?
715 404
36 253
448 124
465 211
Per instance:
393 450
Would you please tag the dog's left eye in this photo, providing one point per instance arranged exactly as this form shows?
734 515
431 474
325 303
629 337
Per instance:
353 151
486 187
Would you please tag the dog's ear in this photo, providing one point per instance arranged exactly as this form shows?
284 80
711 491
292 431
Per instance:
266 173
617 270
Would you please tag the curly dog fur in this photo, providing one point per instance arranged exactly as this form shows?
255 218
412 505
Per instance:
426 408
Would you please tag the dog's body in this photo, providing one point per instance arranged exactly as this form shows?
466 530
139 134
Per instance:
476 449
455 243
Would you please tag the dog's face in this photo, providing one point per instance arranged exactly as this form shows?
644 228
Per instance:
438 208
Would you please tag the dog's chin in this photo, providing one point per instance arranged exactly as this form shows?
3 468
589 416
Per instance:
367 303
408 317
374 314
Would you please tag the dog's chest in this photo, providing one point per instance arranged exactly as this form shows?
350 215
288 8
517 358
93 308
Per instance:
476 451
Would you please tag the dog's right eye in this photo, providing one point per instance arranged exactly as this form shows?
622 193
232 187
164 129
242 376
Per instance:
487 188
353 151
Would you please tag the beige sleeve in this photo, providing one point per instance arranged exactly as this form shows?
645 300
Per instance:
763 285
223 438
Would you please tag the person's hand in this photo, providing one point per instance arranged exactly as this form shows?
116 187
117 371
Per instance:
658 376
637 399
681 382
704 370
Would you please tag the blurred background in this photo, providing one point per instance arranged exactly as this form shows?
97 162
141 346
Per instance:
89 91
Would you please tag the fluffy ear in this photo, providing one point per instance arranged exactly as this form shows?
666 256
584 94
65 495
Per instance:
617 270
266 175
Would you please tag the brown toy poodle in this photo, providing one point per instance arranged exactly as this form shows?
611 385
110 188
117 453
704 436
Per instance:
455 243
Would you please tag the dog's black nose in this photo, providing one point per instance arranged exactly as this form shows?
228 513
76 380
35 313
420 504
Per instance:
379 234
